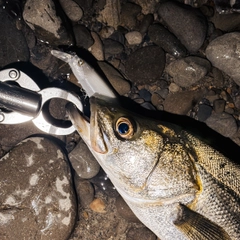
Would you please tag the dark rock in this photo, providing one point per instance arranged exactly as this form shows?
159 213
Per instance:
13 45
85 5
140 233
204 112
187 23
145 65
165 39
37 200
72 10
218 80
224 54
148 106
83 162
146 22
83 36
112 47
188 71
118 36
222 123
129 14
219 105
145 94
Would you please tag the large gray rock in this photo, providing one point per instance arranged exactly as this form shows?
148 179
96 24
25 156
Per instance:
224 53
37 199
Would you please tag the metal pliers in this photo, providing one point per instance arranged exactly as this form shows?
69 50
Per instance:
25 102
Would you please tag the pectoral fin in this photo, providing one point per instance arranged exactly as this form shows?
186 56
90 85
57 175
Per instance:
195 226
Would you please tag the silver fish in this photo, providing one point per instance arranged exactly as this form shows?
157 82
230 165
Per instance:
178 186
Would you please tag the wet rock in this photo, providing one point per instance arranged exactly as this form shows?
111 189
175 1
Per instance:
110 15
13 45
165 39
222 123
83 36
41 16
187 23
204 112
148 6
112 47
97 48
181 102
219 105
83 162
140 233
72 10
115 78
224 54
134 38
145 94
85 191
37 200
148 106
129 14
145 65
124 210
146 22
189 70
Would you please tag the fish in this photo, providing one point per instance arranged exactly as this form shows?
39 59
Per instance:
176 184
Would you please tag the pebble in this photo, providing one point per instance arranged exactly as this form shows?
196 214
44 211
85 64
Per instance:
112 47
106 31
140 233
134 38
41 17
222 123
83 162
97 48
115 78
188 71
218 80
187 23
173 87
10 36
204 112
98 205
223 53
145 65
219 105
148 106
129 14
147 6
145 94
125 211
165 39
157 101
181 102
38 199
72 10
146 22
83 36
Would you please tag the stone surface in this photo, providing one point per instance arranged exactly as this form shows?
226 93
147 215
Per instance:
83 162
112 47
115 78
187 71
145 65
83 36
37 197
187 23
148 6
72 10
165 39
97 48
223 52
134 37
204 112
140 233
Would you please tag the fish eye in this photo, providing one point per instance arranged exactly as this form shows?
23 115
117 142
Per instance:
124 128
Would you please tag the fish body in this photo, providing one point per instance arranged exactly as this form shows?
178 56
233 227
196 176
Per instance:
178 186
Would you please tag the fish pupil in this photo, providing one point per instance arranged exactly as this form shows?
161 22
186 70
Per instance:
123 128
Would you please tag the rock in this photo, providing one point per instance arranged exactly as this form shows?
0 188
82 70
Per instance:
41 16
146 22
106 31
145 65
187 23
13 45
134 38
157 101
223 52
83 36
112 47
85 191
145 94
97 48
165 39
83 162
181 102
148 6
204 112
124 210
219 105
218 80
85 5
173 87
37 200
129 14
72 10
188 71
148 106
140 233
115 78
118 36
110 15
222 123
97 205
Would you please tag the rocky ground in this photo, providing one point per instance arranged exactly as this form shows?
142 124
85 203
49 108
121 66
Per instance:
164 55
